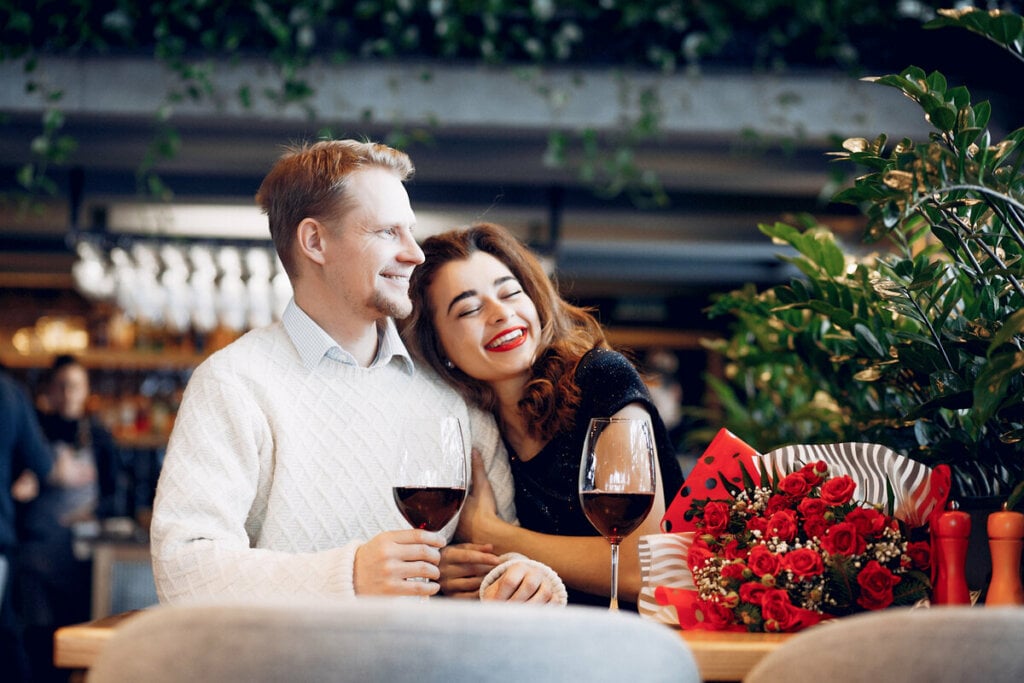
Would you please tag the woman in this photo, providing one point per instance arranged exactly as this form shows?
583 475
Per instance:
488 319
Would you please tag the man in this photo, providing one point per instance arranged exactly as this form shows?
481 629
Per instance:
22 447
277 478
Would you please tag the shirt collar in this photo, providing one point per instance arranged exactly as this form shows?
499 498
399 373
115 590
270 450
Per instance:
313 343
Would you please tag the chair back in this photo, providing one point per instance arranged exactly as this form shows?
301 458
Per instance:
948 643
397 639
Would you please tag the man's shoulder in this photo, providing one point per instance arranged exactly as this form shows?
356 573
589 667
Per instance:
250 351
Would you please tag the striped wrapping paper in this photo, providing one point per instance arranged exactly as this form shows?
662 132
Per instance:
873 467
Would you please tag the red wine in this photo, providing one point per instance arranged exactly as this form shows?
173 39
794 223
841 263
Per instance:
616 515
428 507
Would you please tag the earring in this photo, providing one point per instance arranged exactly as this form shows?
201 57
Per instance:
448 364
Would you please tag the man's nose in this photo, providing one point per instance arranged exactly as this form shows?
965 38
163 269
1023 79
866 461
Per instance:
412 253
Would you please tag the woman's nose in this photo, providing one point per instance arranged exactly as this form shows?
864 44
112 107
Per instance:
498 311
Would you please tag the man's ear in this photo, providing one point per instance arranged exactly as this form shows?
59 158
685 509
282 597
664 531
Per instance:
310 239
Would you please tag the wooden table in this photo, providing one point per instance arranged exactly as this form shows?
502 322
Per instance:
729 656
720 656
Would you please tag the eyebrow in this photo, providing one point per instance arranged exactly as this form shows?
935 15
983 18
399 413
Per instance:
472 292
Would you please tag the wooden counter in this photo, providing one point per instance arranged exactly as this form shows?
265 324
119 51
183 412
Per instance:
720 656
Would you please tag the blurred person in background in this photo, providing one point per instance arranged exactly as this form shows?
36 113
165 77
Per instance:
54 584
22 447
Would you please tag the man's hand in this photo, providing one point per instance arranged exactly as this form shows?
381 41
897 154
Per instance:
463 568
521 582
384 564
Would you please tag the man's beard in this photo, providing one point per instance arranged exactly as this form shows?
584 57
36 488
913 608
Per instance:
391 307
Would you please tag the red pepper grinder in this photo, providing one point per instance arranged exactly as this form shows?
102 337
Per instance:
1005 538
949 548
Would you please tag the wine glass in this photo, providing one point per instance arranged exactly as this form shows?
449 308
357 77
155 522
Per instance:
617 481
432 477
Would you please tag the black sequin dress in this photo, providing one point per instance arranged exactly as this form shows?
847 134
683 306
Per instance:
547 497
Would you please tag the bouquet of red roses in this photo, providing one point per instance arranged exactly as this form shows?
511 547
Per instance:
788 551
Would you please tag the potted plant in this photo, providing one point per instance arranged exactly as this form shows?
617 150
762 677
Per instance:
919 346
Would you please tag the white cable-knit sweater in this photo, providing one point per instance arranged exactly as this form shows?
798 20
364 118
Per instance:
275 474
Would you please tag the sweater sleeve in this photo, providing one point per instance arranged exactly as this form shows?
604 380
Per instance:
208 497
487 440
551 577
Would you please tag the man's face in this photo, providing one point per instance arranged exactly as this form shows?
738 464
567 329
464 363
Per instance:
372 251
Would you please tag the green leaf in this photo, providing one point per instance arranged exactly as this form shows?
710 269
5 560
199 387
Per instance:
1010 328
913 586
991 384
867 340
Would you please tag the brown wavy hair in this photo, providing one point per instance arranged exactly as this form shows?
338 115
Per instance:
551 397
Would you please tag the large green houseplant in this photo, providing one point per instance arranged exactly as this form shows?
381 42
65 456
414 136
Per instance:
919 345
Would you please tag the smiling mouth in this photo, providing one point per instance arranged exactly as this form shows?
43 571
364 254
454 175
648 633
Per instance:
508 339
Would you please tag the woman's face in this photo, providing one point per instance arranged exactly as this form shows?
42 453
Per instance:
69 391
487 325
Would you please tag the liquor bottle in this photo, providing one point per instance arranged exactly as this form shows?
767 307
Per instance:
1005 538
952 528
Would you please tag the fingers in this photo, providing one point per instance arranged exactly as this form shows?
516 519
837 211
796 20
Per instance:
470 554
521 583
384 565
417 536
463 568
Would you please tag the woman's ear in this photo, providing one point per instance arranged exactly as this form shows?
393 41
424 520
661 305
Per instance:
310 239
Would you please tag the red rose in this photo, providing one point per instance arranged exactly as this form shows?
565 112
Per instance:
843 539
716 615
753 592
920 553
795 485
733 571
812 507
698 556
814 472
716 517
838 490
783 525
815 526
763 561
803 562
775 503
757 524
733 551
869 521
777 611
876 583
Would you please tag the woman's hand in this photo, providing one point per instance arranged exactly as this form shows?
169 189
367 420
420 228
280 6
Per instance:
463 568
480 509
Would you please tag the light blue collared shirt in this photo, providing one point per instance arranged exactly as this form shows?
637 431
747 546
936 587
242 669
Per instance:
313 343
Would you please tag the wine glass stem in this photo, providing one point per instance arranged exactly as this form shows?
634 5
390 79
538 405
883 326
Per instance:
615 578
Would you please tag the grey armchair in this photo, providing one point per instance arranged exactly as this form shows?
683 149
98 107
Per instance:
907 645
391 640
